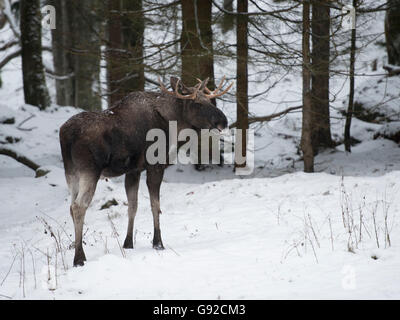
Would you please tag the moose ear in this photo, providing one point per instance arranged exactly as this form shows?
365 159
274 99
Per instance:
204 84
174 81
181 87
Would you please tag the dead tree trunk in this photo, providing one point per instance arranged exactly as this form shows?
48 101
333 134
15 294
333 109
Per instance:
307 126
35 89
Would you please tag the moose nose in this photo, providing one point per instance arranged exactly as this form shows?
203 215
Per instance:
220 125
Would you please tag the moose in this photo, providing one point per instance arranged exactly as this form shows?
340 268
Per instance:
113 142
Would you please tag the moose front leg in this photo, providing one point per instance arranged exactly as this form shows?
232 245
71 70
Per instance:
154 179
131 188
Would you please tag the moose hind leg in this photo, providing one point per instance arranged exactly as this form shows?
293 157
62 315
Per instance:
131 188
87 187
154 179
73 186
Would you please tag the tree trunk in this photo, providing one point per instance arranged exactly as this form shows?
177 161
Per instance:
85 27
35 89
350 108
133 38
62 60
307 126
197 50
242 107
125 67
228 20
392 32
320 74
196 42
114 55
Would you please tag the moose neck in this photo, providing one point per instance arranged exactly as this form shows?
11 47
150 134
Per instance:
175 112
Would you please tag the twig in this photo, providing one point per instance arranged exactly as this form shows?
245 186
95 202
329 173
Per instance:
8 272
115 234
330 228
375 226
27 119
313 231
174 251
3 295
33 266
23 271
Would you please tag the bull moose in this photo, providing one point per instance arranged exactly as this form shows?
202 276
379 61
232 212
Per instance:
113 142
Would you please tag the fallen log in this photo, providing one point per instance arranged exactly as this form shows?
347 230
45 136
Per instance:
20 158
392 70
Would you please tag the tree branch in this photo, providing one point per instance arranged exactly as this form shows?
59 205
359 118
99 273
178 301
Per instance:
9 16
269 117
261 13
9 58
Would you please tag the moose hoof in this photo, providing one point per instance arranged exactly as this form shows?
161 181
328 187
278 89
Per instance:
79 262
128 243
158 246
79 259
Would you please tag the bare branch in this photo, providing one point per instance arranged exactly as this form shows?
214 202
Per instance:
269 117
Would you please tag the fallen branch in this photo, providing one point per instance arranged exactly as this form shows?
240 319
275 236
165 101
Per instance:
27 119
268 118
392 70
22 159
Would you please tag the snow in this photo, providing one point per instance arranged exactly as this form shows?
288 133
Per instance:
225 237
276 234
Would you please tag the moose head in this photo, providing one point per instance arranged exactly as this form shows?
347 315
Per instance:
197 107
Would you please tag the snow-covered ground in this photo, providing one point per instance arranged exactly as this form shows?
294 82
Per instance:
292 236
278 233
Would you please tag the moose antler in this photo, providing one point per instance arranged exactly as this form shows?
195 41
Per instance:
176 93
214 94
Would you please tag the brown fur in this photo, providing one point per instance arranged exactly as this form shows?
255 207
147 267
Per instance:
113 142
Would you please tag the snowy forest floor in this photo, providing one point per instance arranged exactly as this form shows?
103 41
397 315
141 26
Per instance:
279 233
322 235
